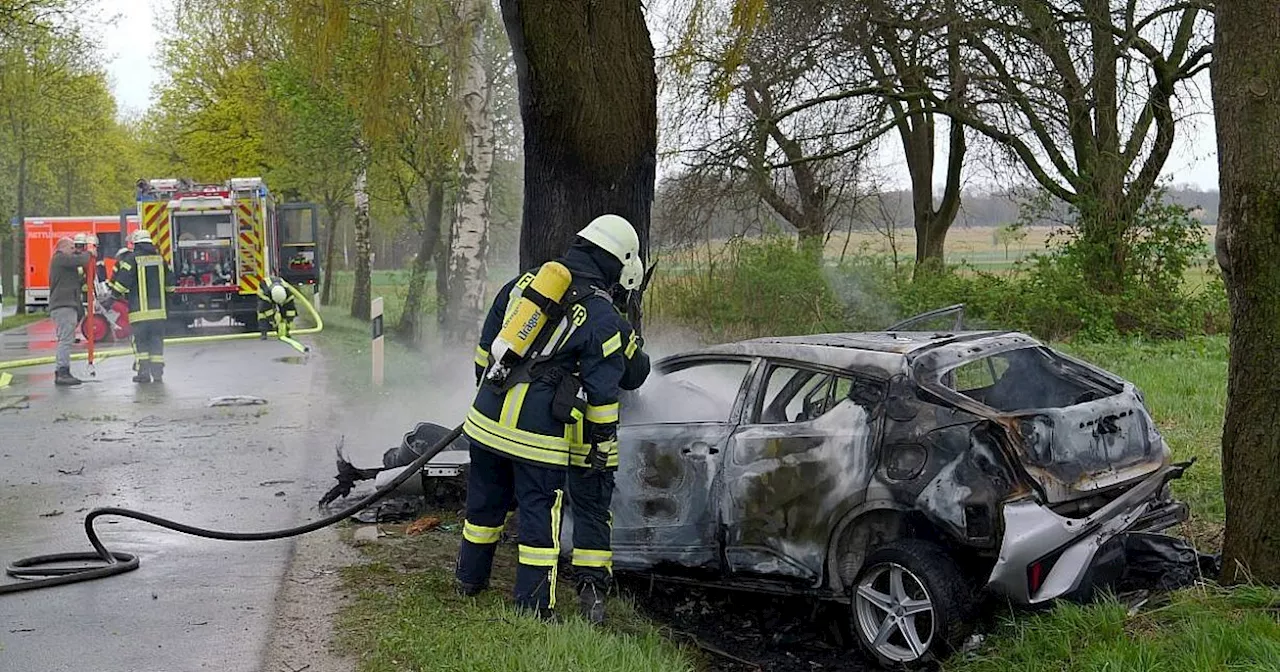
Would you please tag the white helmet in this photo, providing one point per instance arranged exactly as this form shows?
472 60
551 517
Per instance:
140 236
279 293
80 239
615 235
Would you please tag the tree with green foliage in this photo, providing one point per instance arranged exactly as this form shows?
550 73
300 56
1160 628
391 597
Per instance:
1246 77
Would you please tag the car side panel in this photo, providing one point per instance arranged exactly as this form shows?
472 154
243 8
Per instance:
787 485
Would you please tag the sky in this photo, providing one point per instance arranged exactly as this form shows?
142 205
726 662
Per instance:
130 47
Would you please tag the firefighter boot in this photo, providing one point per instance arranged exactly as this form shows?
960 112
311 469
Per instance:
591 602
144 373
63 377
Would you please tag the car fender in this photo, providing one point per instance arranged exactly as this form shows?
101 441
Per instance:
859 514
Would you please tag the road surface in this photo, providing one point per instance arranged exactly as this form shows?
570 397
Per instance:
194 604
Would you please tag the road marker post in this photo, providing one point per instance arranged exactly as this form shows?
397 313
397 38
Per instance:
376 313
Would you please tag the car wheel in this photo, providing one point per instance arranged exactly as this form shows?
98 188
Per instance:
910 605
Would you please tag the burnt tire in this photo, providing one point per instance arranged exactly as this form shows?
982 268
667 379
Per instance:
911 605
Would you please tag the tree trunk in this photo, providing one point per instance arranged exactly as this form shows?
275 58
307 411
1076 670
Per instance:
1246 77
469 236
21 241
333 211
410 327
588 100
362 293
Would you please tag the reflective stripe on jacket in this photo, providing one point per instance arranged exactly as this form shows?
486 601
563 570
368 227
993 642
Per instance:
590 342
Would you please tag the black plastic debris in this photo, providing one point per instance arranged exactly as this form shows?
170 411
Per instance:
1161 562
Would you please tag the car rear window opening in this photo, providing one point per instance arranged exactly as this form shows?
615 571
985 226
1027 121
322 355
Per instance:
1026 378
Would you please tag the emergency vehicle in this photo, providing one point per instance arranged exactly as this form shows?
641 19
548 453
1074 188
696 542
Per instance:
221 240
42 234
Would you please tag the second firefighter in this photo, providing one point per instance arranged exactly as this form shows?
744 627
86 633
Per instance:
143 280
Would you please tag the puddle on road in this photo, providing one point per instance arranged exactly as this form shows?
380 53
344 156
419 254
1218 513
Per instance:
295 359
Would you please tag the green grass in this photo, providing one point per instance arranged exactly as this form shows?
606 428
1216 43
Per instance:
18 321
346 343
405 616
391 285
1199 630
1185 387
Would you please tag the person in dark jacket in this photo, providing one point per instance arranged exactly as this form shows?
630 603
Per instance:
142 277
66 277
528 429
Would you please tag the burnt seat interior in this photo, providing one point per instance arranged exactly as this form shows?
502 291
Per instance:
1023 379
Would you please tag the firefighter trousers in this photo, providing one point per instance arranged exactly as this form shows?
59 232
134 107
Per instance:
590 494
493 482
148 346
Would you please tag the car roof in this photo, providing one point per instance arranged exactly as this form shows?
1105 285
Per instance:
887 350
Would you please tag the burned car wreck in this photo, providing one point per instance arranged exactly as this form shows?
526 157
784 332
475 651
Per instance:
897 471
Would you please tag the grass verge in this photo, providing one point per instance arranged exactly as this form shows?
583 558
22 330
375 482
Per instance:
405 615
19 321
1192 631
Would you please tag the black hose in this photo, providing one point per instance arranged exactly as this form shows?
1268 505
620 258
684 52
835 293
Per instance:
118 563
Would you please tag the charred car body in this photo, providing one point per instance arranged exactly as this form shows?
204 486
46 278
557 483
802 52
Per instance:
897 471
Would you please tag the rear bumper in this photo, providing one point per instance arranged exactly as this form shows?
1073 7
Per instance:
1068 548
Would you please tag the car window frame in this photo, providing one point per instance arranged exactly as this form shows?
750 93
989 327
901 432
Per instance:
676 364
760 387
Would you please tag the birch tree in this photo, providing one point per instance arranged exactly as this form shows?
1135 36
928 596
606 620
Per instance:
362 291
469 238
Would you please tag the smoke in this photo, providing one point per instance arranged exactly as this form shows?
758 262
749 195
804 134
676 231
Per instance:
440 389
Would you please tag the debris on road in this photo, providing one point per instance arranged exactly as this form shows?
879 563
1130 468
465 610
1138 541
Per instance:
281 481
17 403
55 512
237 400
72 472
423 524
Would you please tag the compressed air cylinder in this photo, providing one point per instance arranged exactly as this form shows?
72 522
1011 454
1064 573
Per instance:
528 319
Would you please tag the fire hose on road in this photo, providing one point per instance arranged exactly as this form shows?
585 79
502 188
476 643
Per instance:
183 340
38 573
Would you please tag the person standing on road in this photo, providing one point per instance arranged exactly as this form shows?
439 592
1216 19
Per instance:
527 431
276 307
66 276
141 277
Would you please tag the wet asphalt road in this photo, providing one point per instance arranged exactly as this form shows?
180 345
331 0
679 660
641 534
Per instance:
194 604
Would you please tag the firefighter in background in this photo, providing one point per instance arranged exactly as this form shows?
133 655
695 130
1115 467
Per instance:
142 278
532 374
276 307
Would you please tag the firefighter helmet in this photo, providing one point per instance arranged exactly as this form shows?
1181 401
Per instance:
80 239
615 235
279 293
140 236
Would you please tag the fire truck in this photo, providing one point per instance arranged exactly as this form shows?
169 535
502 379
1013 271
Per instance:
220 242
42 234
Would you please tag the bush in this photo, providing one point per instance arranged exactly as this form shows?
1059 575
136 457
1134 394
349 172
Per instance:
771 286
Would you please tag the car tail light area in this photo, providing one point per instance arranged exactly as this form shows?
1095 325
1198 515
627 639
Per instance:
1038 572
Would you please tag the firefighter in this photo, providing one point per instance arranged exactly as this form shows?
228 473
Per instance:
142 278
590 488
276 307
522 426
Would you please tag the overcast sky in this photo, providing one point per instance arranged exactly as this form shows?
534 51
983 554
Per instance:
130 46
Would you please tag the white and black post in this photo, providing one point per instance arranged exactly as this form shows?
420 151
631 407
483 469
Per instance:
375 312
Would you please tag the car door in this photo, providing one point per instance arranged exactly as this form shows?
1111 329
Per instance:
673 439
801 460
